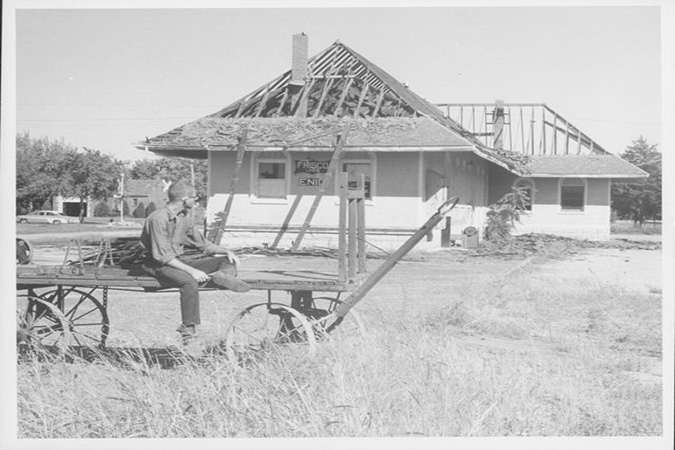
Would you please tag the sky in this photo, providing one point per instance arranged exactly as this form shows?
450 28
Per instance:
106 78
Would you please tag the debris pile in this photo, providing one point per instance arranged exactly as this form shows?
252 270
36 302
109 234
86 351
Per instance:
552 245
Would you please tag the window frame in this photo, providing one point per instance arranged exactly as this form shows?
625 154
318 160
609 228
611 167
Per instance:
255 171
580 182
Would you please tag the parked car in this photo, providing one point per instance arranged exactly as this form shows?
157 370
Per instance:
45 217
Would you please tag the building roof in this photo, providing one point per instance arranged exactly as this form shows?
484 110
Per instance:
341 84
317 134
588 166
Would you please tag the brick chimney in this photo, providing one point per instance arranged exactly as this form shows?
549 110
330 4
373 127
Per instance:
299 61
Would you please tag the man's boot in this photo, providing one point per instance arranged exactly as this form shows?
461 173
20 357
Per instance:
226 278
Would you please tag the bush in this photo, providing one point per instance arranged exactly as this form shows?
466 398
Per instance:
126 210
139 212
502 216
102 209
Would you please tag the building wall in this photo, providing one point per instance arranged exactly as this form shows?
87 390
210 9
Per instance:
393 213
548 217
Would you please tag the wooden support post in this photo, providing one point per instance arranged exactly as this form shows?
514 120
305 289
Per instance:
522 131
485 125
567 139
555 134
497 125
364 91
326 88
445 233
379 103
217 233
343 179
281 104
263 102
361 225
543 132
332 168
351 238
578 142
532 130
300 106
338 107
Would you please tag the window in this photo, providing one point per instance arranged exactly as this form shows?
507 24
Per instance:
271 179
528 187
572 194
354 169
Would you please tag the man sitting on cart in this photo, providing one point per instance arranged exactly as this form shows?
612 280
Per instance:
166 234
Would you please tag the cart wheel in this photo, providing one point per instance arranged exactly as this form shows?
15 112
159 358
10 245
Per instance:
327 325
24 253
265 326
87 319
38 323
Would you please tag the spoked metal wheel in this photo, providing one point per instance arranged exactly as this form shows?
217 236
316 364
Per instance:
67 317
38 322
267 326
325 324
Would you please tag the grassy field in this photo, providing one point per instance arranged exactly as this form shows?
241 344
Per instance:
516 352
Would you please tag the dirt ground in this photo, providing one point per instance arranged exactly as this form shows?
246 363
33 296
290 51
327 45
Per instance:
418 284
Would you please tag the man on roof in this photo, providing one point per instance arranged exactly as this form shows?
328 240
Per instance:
166 235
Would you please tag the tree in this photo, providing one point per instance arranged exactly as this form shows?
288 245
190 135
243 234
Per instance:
92 175
41 170
171 169
640 201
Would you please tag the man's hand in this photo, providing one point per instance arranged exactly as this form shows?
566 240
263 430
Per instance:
198 275
230 255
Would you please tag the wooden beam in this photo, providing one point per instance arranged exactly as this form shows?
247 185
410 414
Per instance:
287 221
326 87
555 134
361 226
567 140
343 178
343 96
352 251
262 103
300 107
332 168
281 104
364 91
217 233
379 103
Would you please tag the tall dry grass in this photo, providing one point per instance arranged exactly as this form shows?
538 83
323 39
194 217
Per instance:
510 357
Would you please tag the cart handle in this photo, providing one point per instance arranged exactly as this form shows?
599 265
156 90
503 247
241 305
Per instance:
448 206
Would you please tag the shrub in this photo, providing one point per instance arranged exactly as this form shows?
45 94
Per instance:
125 208
139 212
502 216
102 209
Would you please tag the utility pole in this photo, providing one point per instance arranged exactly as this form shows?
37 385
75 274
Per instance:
122 200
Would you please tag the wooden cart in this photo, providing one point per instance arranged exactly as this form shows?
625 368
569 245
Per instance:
67 304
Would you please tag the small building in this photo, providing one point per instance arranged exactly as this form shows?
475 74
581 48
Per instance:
269 152
145 194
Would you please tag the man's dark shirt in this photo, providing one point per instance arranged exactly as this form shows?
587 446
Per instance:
165 235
